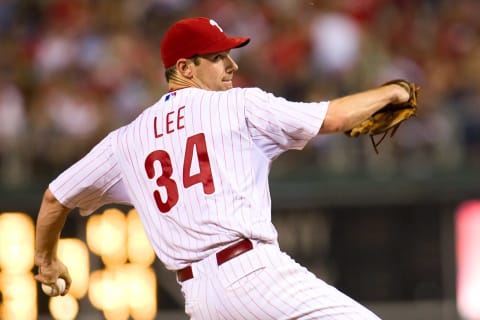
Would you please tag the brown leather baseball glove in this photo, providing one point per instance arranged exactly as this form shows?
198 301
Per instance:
389 118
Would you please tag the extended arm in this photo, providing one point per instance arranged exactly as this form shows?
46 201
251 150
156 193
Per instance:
346 112
50 221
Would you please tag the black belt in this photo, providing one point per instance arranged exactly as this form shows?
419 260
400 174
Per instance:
222 256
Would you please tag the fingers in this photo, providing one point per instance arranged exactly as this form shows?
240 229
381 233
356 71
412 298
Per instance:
48 274
49 282
68 282
42 279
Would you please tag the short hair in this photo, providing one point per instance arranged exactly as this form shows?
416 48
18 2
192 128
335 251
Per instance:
171 71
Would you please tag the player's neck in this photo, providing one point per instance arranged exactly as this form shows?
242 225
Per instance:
177 82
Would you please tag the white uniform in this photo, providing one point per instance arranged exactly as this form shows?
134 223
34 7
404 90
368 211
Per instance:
195 166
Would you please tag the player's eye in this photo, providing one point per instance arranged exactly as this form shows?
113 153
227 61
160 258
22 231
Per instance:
217 56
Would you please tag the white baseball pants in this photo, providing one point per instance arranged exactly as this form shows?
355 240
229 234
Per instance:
264 283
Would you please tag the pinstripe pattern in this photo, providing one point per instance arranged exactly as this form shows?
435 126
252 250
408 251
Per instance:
79 185
244 130
265 283
195 166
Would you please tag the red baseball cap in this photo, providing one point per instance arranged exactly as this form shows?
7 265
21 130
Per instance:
193 36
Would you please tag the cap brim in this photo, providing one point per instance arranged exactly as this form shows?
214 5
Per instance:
227 44
242 41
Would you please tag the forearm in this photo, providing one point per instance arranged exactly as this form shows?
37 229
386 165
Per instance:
346 112
50 221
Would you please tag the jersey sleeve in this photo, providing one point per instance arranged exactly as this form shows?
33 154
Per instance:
277 125
93 181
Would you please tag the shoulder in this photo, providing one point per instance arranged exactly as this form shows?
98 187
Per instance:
253 91
251 94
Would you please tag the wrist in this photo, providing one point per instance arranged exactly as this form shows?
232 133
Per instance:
44 259
400 90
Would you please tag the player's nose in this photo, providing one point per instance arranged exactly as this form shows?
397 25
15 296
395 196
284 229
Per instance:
231 65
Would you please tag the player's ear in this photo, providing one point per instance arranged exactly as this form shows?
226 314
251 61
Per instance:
185 68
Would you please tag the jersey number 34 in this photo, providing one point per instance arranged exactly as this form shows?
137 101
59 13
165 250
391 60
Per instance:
195 146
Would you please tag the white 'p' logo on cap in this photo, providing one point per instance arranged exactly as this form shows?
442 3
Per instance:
214 23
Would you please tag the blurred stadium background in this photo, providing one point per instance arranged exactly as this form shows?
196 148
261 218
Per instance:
395 230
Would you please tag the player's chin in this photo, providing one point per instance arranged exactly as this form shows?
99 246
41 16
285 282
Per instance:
227 85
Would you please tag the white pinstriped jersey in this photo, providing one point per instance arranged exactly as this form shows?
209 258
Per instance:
195 166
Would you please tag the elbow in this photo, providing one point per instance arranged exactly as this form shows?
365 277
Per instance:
51 203
49 198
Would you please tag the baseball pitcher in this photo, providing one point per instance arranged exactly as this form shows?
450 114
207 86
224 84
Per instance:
195 165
